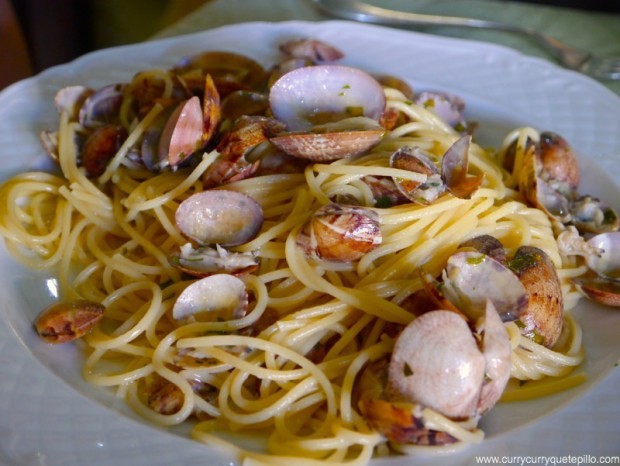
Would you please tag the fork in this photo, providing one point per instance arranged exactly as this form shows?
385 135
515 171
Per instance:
567 56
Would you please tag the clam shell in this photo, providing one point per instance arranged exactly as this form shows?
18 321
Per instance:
220 296
327 147
470 278
544 317
182 133
454 167
218 216
436 362
321 94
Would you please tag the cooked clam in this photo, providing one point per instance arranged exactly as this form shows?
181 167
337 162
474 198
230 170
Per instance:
543 319
235 146
414 160
454 168
216 297
591 215
559 163
446 106
182 133
538 192
312 49
321 94
71 99
230 71
470 278
227 218
205 260
341 233
100 147
436 362
332 141
399 421
67 321
486 244
102 106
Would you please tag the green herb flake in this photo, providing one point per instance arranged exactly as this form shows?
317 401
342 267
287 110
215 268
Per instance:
475 260
429 103
518 264
407 371
383 202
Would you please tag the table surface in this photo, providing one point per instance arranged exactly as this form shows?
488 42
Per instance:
588 30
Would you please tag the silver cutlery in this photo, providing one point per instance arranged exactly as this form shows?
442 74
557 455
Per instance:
569 57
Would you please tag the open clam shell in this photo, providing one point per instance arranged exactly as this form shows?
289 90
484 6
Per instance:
454 168
414 160
559 163
182 134
329 142
470 278
308 96
543 319
205 261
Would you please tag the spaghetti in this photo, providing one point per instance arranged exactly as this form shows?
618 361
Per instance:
288 368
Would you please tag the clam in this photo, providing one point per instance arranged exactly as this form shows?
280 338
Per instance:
414 160
213 298
227 218
599 289
67 321
591 215
233 163
385 192
312 49
606 261
543 319
205 260
71 99
448 107
330 111
538 192
100 147
314 95
230 71
340 233
211 110
601 252
454 168
437 363
240 103
486 244
182 134
470 278
149 148
148 89
102 106
399 421
559 163
332 141
549 180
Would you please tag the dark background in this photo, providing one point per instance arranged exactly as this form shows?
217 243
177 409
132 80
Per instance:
58 31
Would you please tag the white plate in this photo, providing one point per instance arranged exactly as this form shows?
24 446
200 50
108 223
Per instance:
47 422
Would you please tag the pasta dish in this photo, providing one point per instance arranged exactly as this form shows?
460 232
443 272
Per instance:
308 254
